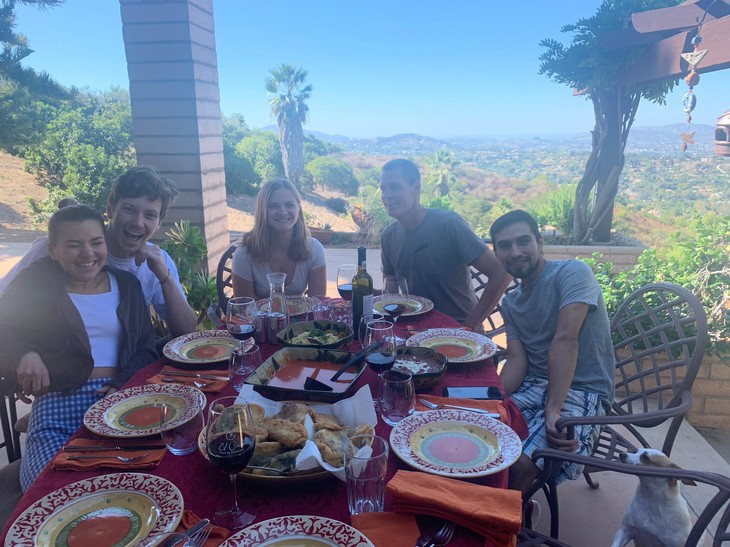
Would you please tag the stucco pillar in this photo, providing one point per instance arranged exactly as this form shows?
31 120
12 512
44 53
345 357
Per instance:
173 84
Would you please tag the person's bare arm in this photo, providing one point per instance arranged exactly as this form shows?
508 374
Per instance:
515 369
317 283
497 282
242 287
181 318
562 359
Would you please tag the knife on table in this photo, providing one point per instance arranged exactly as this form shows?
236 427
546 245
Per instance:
193 375
100 448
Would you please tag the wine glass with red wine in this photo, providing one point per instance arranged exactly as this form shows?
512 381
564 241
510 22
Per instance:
230 442
395 300
345 273
384 357
241 317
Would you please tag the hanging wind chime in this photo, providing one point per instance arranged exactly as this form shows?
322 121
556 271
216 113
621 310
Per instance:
689 101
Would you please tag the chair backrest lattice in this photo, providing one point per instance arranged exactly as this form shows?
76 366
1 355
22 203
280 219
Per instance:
8 417
659 336
224 277
495 323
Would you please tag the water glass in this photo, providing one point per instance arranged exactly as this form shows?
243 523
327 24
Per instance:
322 312
396 396
242 363
363 328
180 439
366 463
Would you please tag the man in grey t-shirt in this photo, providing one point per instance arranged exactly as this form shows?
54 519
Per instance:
433 250
560 359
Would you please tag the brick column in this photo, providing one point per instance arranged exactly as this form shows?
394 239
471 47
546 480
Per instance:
173 84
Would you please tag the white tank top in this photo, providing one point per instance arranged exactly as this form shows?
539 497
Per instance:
99 314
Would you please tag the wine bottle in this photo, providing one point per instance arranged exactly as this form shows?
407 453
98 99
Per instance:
362 290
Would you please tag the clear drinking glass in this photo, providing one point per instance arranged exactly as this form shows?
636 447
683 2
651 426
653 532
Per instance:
396 396
180 439
366 464
395 291
241 317
363 328
230 442
242 363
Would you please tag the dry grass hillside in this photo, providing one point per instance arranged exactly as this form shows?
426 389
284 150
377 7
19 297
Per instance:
16 186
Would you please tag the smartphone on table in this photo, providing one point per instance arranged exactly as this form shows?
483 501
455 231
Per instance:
473 392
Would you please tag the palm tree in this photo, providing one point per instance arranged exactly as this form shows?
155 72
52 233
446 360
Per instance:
287 96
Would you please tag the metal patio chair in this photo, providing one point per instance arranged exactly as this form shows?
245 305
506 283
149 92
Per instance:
659 335
718 503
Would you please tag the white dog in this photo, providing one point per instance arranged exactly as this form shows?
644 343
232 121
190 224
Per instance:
658 515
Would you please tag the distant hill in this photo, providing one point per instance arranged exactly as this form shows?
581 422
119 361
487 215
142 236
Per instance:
646 139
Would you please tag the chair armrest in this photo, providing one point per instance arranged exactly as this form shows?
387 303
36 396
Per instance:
645 418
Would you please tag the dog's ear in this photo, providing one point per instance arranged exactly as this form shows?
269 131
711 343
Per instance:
688 482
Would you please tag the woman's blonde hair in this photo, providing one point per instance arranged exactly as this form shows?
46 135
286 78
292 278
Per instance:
258 240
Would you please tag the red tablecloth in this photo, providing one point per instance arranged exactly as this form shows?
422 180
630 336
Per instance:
204 487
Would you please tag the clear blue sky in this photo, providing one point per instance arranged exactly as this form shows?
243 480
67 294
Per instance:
378 67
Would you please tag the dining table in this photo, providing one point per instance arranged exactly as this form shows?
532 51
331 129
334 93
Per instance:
204 487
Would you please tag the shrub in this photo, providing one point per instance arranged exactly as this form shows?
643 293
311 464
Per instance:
333 173
338 205
700 262
555 209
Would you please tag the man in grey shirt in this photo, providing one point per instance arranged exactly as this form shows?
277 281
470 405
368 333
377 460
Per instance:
433 250
560 359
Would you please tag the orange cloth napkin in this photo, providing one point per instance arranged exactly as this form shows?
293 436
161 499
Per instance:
387 529
489 406
495 513
217 536
108 458
215 386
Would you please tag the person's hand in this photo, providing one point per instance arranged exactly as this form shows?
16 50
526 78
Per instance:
106 390
558 439
152 254
33 377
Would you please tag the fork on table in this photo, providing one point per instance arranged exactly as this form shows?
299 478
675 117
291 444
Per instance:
442 536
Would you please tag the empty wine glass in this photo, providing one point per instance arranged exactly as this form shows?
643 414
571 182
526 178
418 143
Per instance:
230 443
395 300
241 317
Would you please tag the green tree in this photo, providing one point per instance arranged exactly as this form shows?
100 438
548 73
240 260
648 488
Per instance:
240 174
287 95
440 176
261 150
596 71
334 174
87 144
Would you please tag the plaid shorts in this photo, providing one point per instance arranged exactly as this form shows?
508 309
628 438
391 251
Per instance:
531 397
54 417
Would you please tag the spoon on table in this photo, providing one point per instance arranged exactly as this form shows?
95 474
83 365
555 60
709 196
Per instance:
123 459
196 383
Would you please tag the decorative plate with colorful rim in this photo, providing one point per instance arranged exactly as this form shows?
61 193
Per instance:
455 443
298 305
119 509
299 531
201 347
459 346
416 305
135 411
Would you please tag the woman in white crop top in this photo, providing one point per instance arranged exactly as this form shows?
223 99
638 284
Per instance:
279 242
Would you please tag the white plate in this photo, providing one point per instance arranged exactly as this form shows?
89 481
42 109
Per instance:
299 531
455 443
201 347
417 305
141 504
459 346
135 411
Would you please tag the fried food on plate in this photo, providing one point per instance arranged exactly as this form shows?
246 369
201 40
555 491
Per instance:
330 446
288 433
325 421
294 412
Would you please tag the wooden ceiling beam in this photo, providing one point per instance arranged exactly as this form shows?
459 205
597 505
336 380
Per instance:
662 59
682 17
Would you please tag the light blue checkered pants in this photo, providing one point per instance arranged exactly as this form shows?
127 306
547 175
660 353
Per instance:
531 397
54 417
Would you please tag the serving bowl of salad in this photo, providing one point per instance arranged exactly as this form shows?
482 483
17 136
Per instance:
320 334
